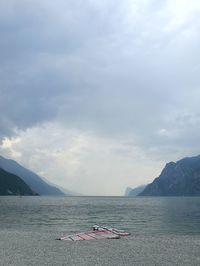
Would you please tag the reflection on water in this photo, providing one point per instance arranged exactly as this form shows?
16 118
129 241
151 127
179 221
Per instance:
137 215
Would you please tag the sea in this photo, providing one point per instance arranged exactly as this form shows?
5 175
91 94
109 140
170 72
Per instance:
164 231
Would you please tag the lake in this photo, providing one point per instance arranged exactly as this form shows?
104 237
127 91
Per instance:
164 231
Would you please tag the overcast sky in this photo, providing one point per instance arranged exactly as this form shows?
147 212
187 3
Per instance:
98 95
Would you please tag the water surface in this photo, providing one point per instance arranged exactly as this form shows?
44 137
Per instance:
164 231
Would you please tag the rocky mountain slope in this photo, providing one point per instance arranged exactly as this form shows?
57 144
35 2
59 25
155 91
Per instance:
13 185
177 179
35 182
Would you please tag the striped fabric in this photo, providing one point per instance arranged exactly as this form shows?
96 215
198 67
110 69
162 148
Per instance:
99 232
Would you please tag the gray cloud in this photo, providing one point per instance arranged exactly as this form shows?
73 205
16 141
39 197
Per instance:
113 68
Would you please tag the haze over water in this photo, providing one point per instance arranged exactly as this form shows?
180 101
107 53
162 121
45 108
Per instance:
164 231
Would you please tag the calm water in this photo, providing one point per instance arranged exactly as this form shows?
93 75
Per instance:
164 231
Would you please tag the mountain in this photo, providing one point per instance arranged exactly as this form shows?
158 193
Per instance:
128 189
35 182
177 179
13 185
136 191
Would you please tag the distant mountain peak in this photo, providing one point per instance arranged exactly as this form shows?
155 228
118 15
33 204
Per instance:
135 191
128 189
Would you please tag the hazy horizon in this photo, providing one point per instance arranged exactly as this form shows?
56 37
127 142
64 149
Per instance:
97 96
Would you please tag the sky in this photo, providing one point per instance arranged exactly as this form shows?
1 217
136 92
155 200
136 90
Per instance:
97 95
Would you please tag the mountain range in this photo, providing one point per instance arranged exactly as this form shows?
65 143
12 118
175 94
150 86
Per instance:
32 180
181 178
